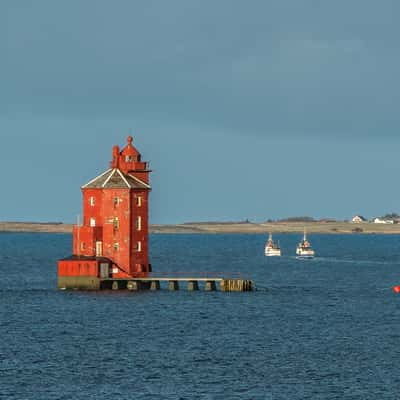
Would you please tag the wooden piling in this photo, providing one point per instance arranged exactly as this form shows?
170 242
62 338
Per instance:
236 285
173 285
133 285
155 285
192 285
210 286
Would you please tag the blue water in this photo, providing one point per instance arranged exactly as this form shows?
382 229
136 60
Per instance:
328 328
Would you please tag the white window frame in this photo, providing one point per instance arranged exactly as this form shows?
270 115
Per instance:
139 201
99 249
139 223
139 246
116 223
92 201
92 222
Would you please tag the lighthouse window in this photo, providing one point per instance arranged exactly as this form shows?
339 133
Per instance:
139 201
92 222
139 223
92 201
138 246
116 246
116 223
128 158
116 201
83 246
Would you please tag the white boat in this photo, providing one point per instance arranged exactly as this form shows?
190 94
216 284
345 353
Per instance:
271 248
304 249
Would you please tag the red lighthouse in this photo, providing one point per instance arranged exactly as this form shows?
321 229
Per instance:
112 242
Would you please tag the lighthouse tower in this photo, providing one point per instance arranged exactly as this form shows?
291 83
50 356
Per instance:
112 241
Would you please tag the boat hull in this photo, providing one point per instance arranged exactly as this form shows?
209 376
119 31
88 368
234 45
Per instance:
273 252
304 254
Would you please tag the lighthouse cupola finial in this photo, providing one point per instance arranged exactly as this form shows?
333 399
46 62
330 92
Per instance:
130 140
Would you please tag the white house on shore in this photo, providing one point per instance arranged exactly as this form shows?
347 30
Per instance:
383 221
358 219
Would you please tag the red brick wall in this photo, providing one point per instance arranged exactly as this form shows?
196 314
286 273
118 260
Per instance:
121 235
94 211
78 268
85 243
139 257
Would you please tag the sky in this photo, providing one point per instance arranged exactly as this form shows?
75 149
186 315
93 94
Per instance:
246 110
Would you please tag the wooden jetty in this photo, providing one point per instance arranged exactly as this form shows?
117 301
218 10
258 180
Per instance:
175 283
170 282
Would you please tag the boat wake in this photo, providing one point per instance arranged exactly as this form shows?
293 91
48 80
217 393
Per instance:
335 260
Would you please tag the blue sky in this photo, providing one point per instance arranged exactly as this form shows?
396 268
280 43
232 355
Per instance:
256 109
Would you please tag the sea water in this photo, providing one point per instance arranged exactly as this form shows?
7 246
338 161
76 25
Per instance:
327 328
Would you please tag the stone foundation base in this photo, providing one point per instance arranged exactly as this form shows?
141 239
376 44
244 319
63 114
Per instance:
78 282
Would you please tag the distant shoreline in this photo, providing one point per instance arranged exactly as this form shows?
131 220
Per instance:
223 227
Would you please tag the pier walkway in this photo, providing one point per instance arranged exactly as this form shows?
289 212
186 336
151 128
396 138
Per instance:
193 281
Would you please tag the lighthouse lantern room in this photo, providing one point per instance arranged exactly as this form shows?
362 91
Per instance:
112 240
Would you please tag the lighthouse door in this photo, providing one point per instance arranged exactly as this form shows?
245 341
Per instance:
99 249
104 270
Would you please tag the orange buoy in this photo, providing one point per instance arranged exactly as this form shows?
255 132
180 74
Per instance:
396 289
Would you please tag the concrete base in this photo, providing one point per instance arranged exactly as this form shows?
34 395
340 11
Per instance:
78 282
133 285
155 285
210 286
173 285
192 285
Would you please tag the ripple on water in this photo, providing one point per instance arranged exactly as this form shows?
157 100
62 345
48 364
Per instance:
326 329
